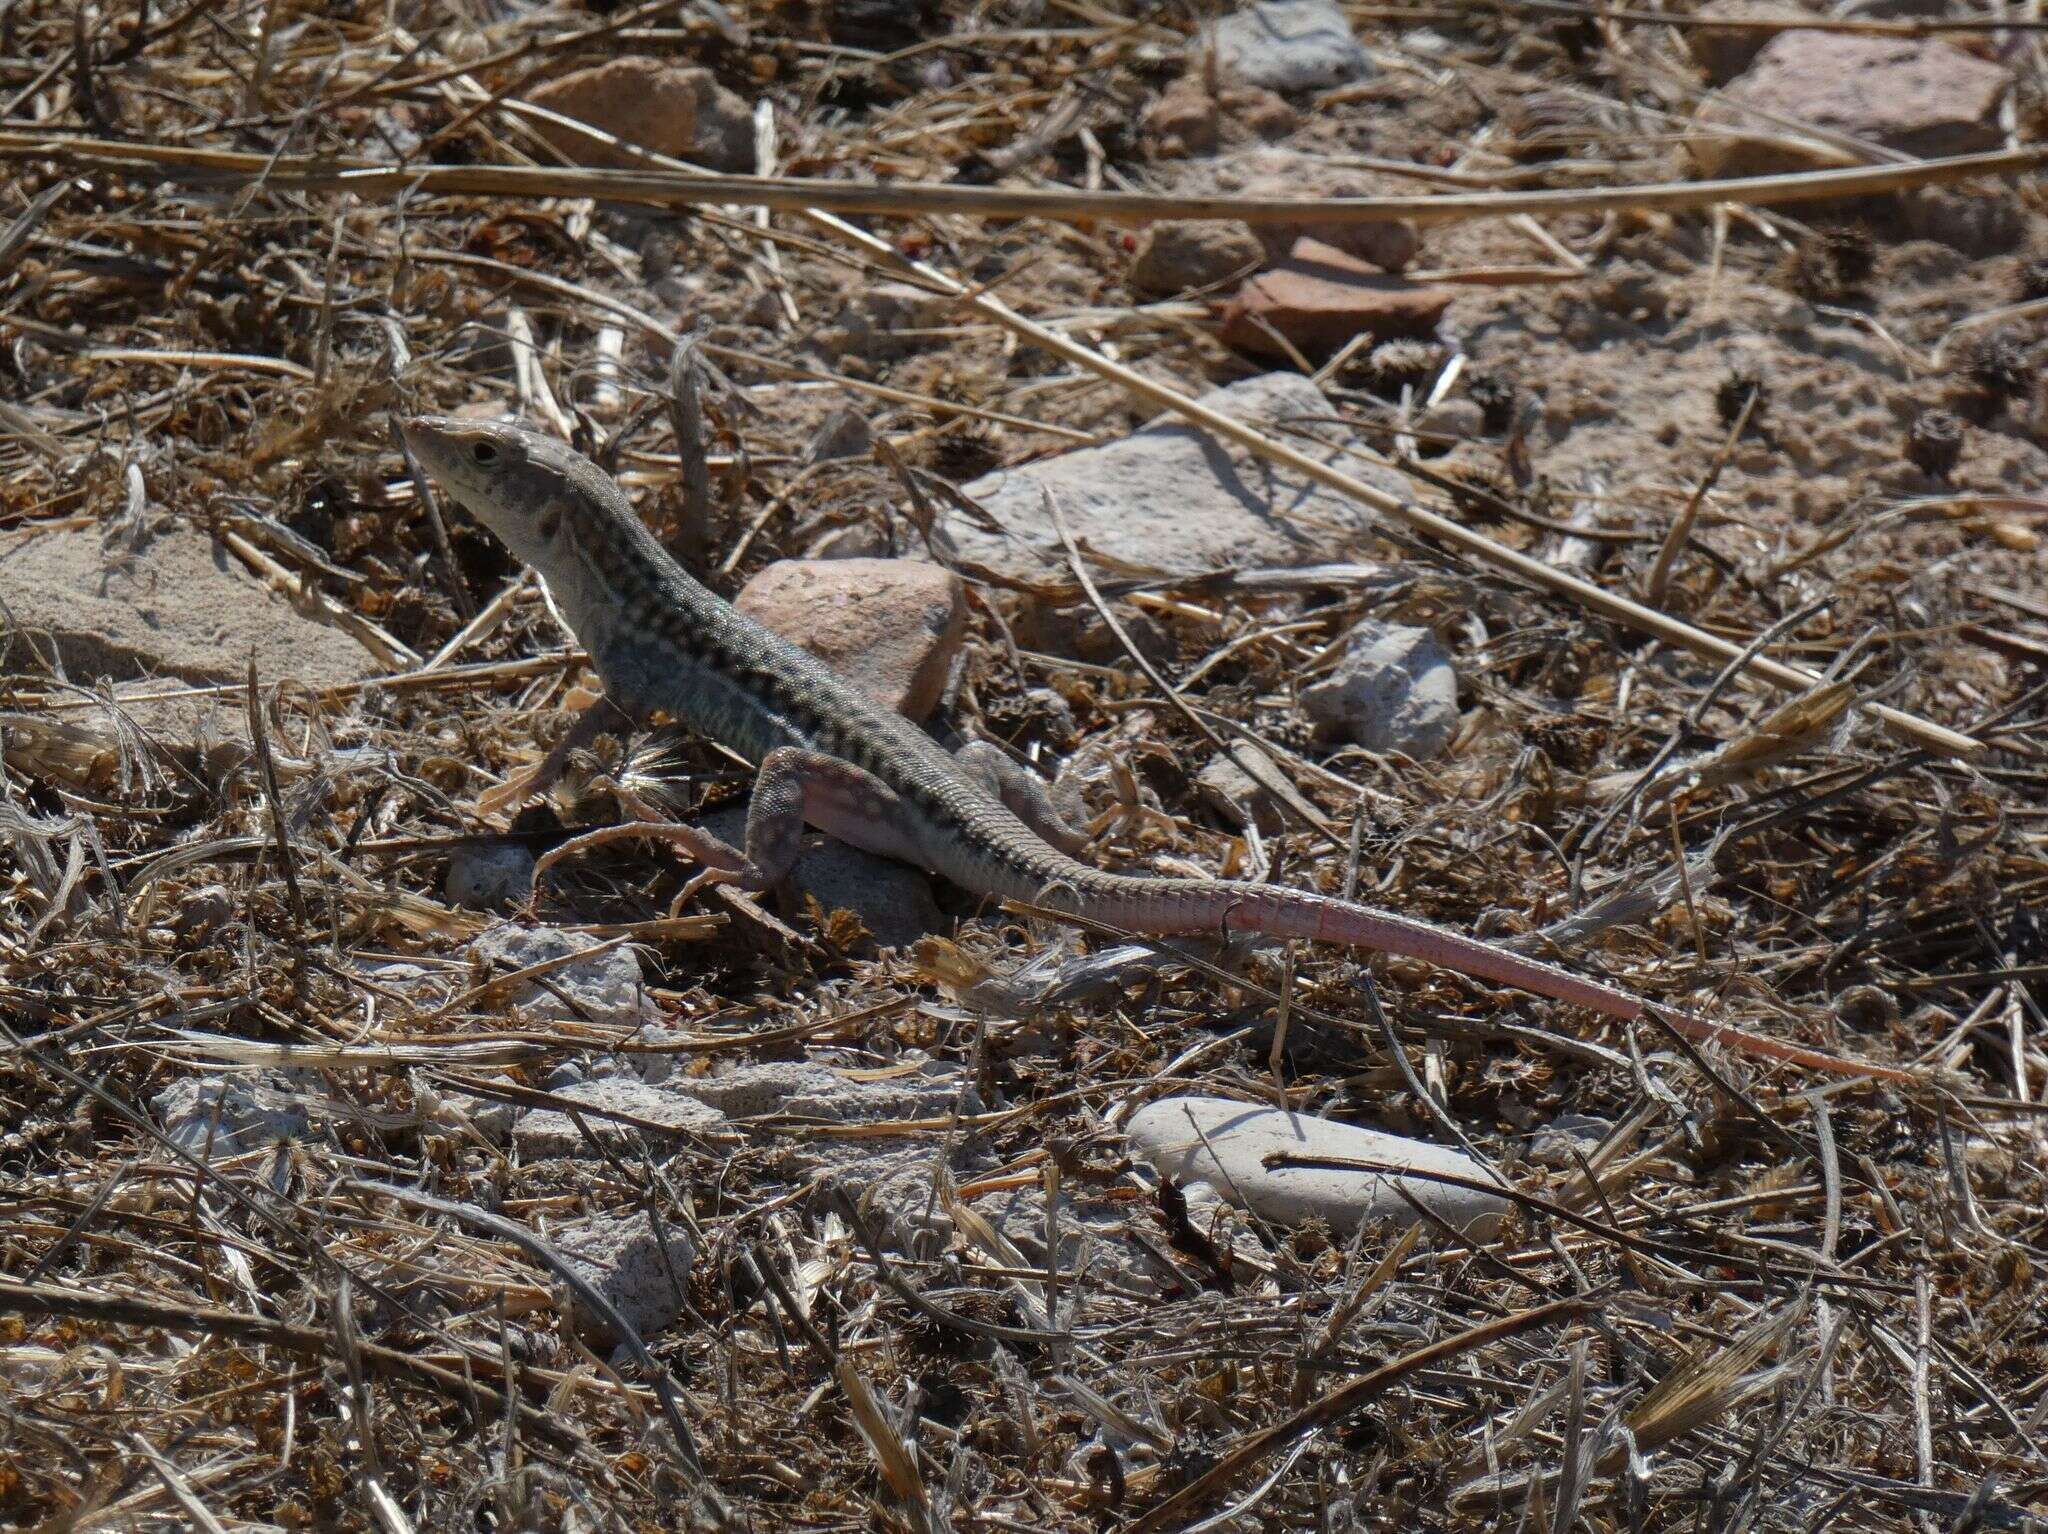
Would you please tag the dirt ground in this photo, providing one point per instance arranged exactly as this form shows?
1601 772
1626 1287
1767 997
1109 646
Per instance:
287 1164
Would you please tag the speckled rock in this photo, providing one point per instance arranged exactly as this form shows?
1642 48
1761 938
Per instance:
1394 690
605 987
545 1132
646 1280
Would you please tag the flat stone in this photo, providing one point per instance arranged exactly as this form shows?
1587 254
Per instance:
892 627
1178 254
604 988
1185 120
644 1278
1222 1147
230 1113
893 900
176 605
1238 796
1173 498
807 1089
541 1133
674 110
1394 690
1918 95
1320 298
1289 45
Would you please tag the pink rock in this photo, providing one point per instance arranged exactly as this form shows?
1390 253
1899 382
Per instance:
889 626
676 111
1912 94
1321 297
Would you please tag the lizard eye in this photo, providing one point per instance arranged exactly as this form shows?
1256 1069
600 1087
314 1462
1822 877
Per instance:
483 453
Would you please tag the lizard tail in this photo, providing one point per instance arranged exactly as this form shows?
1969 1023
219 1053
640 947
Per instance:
1168 907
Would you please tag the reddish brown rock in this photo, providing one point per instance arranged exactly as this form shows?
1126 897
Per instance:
1321 297
680 112
889 626
1184 120
1917 95
1724 51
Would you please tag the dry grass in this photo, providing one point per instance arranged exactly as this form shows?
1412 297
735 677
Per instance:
1768 1297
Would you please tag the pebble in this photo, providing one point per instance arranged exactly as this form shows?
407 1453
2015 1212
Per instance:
1394 690
541 1133
1178 254
1917 95
1320 298
1290 45
1187 120
673 110
489 877
874 315
604 988
807 1089
644 1279
1170 497
256 1109
1222 1146
892 627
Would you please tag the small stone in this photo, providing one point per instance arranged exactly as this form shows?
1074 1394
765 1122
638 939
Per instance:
1390 245
1321 298
844 434
1185 120
865 539
892 900
1449 422
490 877
680 112
202 912
805 1089
604 988
1565 1138
646 1280
1222 1147
1924 97
1265 112
1179 254
1723 52
1394 690
1289 45
166 601
543 1133
1238 796
873 318
889 626
230 1114
1173 498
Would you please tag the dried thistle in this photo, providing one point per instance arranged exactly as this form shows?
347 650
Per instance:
1734 393
1999 364
1934 442
1394 365
1495 395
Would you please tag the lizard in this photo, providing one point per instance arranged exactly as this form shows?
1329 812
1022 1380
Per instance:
829 756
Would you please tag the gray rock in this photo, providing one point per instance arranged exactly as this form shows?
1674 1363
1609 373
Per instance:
489 877
1393 691
177 605
621 1259
672 109
1175 255
893 900
1238 796
545 1132
1553 1145
255 1110
809 1090
1223 1146
1173 498
872 318
604 988
1449 422
1290 45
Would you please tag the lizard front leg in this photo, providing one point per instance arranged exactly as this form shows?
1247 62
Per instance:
1022 792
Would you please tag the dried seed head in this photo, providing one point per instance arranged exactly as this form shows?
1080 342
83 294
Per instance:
1494 394
1474 488
1396 364
1999 365
1734 393
1852 251
1934 443
1828 268
2031 281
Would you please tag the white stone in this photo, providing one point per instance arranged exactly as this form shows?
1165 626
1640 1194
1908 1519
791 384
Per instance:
545 1132
1394 690
621 1259
1222 1147
1290 45
606 987
228 1114
489 877
1172 497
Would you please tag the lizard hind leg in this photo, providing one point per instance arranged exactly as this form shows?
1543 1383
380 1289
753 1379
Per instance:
1022 792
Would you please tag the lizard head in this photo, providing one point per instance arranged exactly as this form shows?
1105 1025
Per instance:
526 488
